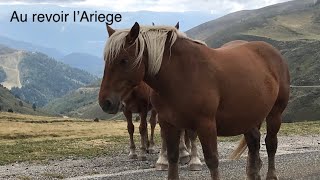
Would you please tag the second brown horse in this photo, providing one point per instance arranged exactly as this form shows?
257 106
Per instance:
138 101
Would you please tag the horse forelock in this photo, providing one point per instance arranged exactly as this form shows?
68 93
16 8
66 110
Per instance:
150 38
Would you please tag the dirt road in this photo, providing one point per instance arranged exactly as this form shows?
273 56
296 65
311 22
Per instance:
298 157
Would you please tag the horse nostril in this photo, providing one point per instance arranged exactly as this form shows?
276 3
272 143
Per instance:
107 105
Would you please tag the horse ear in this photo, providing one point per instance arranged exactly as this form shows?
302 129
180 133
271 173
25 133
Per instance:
110 30
177 25
134 33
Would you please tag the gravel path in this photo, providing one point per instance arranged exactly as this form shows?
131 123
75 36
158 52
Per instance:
297 158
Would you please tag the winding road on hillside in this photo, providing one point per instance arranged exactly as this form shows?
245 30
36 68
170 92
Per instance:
10 64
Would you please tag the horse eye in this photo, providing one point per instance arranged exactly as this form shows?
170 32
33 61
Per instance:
123 61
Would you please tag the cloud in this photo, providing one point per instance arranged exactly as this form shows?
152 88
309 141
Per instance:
216 7
213 6
40 1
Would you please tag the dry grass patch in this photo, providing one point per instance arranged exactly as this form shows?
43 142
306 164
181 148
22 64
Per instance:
48 138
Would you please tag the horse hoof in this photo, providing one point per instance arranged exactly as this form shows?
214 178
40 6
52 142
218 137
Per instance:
142 158
162 167
254 177
272 178
133 156
195 167
184 160
152 151
271 175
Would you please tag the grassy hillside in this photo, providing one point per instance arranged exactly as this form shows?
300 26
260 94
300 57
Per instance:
304 104
74 100
37 78
9 101
81 103
284 20
3 75
292 27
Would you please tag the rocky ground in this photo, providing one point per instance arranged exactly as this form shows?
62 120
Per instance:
298 157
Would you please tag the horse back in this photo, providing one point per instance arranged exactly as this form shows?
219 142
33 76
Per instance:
258 53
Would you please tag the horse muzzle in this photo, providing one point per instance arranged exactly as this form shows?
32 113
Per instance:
111 107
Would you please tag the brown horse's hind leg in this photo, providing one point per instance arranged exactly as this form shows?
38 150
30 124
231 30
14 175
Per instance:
273 121
195 163
254 162
143 128
130 126
207 133
172 136
153 122
273 125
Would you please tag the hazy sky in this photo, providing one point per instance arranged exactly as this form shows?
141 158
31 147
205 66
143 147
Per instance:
214 6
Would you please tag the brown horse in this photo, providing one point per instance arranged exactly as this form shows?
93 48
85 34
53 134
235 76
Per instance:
215 92
138 101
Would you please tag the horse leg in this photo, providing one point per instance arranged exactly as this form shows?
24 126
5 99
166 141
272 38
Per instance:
144 136
153 122
162 162
130 127
254 162
172 136
207 133
195 163
187 141
183 151
273 121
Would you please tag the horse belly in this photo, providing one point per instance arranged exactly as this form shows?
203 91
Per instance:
233 127
242 113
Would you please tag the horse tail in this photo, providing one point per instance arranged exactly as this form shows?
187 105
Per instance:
242 146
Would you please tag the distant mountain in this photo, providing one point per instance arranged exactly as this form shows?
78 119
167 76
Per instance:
293 27
37 78
9 102
84 37
87 62
285 21
20 45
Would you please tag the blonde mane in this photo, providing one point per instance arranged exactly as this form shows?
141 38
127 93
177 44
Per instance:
151 37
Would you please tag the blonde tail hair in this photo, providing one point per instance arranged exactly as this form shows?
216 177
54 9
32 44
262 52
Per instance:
242 146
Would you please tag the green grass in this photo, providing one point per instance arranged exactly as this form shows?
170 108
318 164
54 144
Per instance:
300 128
24 178
29 150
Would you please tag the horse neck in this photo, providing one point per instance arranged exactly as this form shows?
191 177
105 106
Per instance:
177 67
